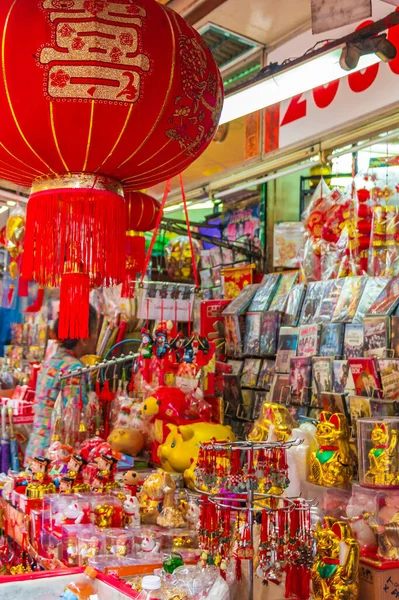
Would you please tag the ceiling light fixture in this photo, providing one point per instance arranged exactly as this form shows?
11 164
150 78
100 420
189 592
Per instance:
290 82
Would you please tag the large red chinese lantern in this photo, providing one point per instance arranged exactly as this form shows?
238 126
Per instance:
142 215
96 96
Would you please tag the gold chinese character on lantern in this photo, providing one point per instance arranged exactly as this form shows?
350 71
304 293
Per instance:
95 50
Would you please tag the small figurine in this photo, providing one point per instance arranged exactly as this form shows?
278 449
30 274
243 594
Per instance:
131 480
72 515
188 348
161 341
149 545
66 484
88 549
335 572
106 467
151 498
131 512
187 380
72 553
147 343
62 456
105 464
383 456
98 484
41 482
75 466
332 464
120 548
170 516
146 352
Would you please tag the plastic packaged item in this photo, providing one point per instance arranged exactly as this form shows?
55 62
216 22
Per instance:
363 502
151 588
378 444
148 542
90 544
81 589
119 542
71 509
106 511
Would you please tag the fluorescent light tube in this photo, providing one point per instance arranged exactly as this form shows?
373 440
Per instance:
289 83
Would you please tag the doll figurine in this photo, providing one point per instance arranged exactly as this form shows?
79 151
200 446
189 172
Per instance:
120 548
62 456
87 550
106 466
188 347
188 382
98 484
146 352
66 485
75 466
161 341
332 464
335 572
41 482
383 456
72 553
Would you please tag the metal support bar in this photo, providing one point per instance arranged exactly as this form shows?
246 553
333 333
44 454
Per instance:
102 365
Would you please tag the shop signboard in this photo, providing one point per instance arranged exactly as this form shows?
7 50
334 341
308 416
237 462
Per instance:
337 104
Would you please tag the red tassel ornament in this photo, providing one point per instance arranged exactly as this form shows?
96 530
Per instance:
74 306
74 227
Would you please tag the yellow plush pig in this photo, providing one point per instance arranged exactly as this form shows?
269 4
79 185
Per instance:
179 453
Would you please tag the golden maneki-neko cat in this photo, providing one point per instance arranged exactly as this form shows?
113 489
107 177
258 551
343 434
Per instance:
335 572
276 415
332 464
383 456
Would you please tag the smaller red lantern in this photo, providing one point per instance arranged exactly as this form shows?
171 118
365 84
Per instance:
142 215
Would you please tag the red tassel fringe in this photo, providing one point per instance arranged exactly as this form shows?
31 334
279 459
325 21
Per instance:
77 231
38 303
74 306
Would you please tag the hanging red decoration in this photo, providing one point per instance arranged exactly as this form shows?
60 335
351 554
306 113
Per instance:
142 214
114 94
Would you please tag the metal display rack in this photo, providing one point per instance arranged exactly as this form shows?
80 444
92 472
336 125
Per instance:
252 501
105 364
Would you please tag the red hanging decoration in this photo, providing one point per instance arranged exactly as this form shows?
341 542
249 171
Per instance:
74 306
37 303
97 123
142 215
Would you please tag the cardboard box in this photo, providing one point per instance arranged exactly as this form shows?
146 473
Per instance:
378 584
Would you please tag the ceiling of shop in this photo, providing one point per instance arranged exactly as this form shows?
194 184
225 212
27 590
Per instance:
265 21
